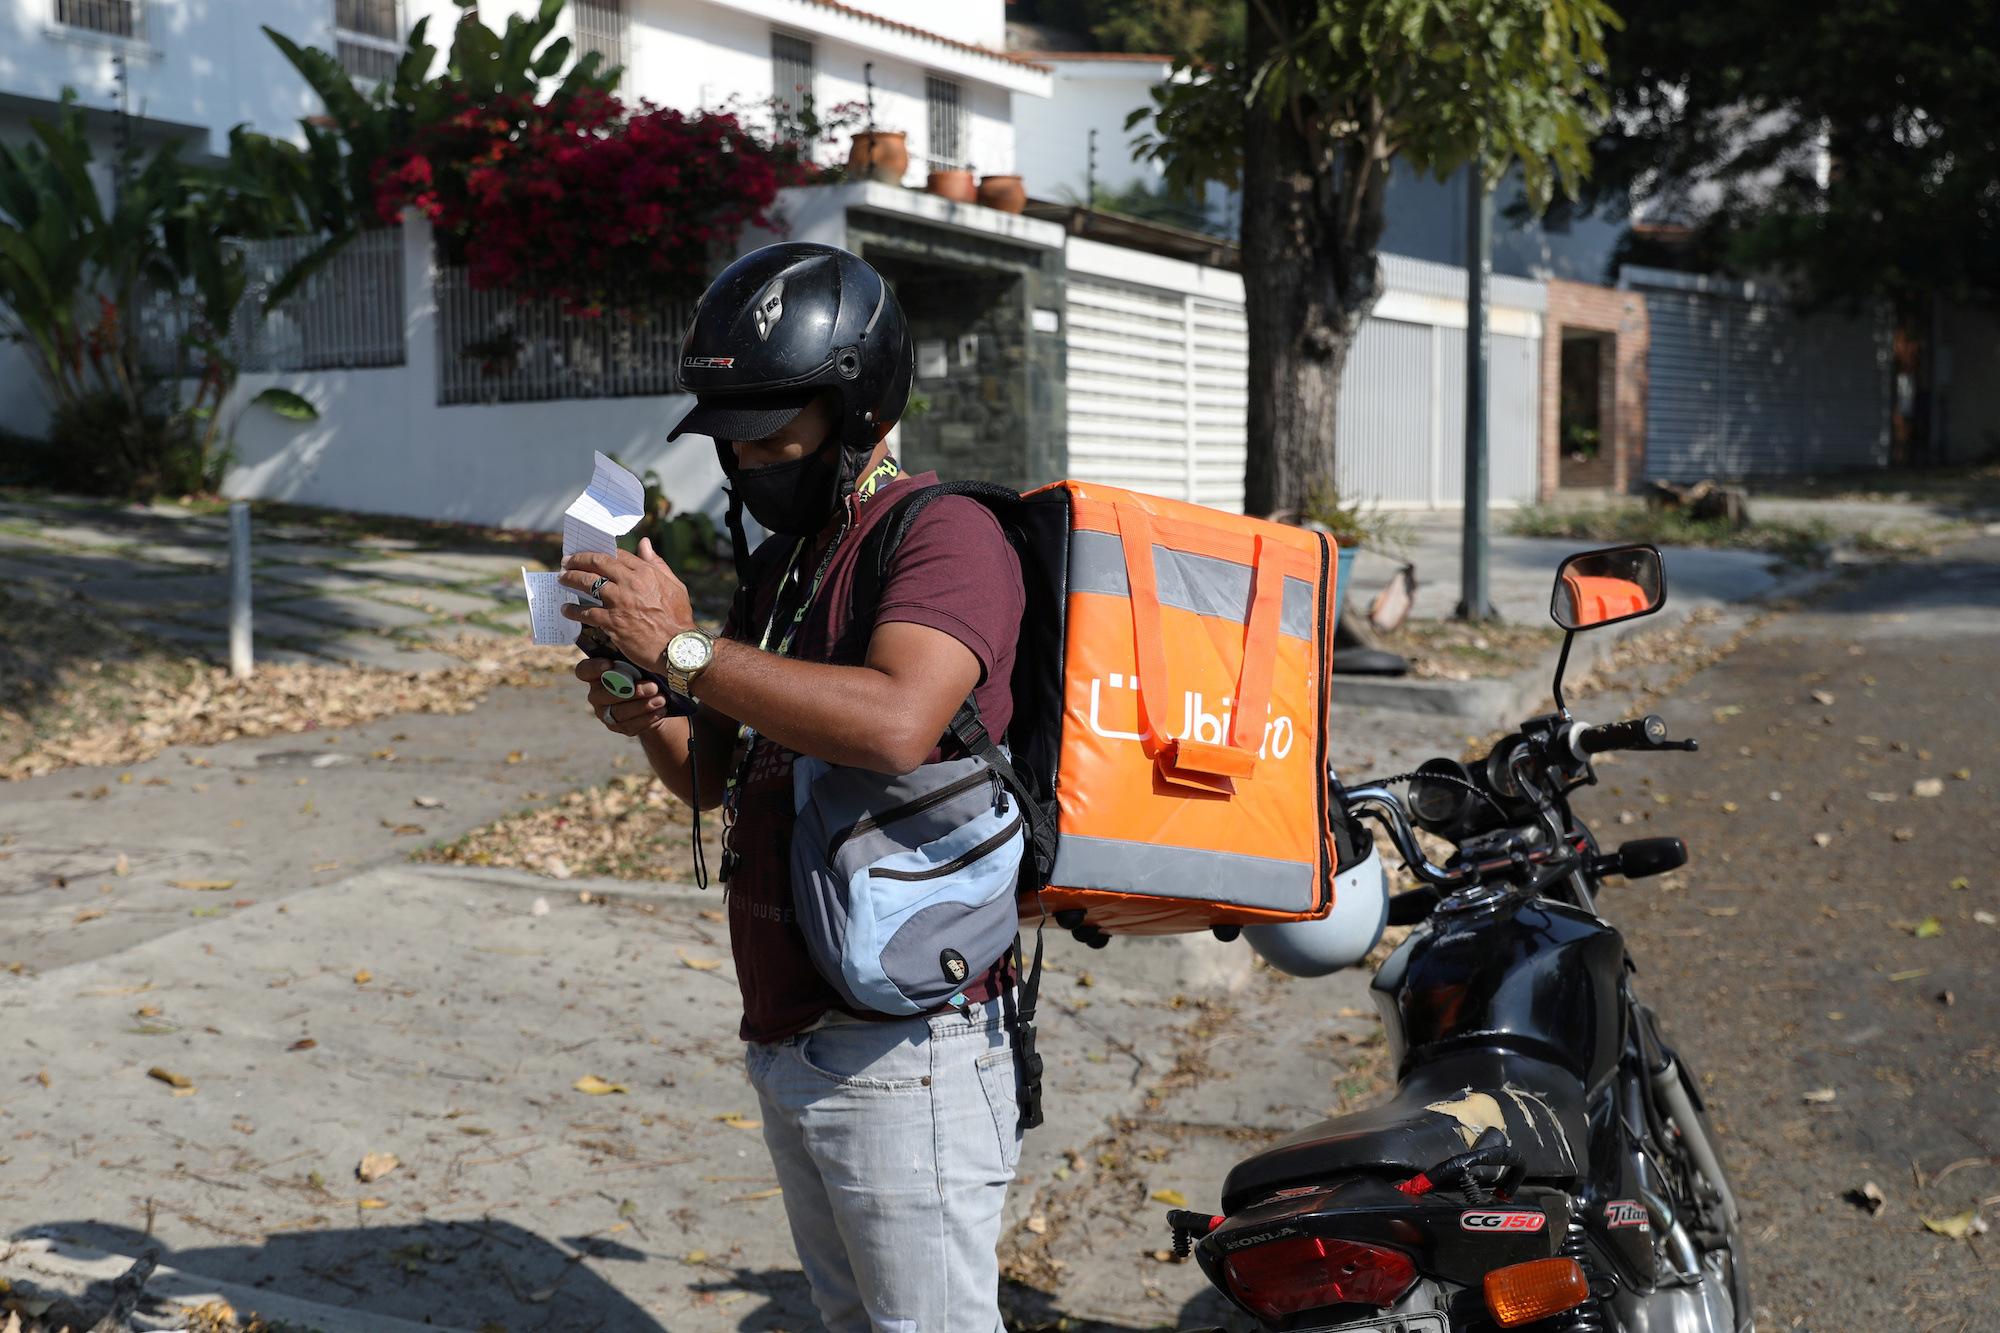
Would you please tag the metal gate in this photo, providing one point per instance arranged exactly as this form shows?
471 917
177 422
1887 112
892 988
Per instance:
1740 385
1156 391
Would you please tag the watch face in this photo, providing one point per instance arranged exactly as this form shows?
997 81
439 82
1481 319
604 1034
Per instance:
687 653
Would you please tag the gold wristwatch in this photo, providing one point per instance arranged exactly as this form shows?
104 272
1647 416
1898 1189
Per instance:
688 655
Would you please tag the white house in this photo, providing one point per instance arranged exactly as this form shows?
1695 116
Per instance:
379 342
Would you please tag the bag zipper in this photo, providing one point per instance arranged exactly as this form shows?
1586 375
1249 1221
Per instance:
869 823
957 863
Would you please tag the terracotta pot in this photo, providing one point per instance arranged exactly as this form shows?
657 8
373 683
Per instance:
878 155
953 185
1005 193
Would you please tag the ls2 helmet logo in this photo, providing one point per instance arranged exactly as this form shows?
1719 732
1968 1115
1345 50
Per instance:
1503 1221
770 308
708 362
1625 1213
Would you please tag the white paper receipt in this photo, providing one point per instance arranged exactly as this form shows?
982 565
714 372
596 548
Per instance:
614 501
607 510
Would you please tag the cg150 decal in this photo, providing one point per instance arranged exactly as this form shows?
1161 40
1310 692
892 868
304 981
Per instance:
1508 1221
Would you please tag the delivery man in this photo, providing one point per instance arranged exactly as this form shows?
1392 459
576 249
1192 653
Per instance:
894 1138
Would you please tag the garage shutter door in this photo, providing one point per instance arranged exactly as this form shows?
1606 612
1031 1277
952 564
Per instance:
1156 391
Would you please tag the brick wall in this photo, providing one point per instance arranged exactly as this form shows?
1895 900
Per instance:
1622 315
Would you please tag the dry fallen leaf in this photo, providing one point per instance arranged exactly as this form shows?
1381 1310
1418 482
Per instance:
513 756
736 1120
597 1087
1822 698
203 885
1820 1096
707 915
171 1080
1885 797
1871 1197
1923 788
760 1194
700 964
1038 1224
123 867
1959 1227
147 1011
376 1165
428 803
88 914
401 830
1904 834
540 907
1171 1198
1823 839
302 1044
1929 928
363 977
1963 774
1986 918
1722 911
371 1203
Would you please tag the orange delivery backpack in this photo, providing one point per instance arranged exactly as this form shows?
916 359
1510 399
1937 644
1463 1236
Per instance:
1169 730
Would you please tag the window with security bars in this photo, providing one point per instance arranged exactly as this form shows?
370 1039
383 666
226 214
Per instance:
791 74
120 18
946 104
366 62
370 18
600 27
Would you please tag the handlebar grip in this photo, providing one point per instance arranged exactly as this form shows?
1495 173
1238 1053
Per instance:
1644 733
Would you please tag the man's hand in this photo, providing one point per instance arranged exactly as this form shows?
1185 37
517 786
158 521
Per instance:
644 603
642 713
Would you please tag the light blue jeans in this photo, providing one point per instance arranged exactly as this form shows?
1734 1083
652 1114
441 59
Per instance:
895 1143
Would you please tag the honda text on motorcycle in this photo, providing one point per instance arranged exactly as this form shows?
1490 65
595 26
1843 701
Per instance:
1546 1159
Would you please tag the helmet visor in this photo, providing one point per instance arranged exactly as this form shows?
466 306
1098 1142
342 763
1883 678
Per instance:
742 418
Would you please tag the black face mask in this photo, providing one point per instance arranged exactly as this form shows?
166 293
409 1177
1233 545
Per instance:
796 498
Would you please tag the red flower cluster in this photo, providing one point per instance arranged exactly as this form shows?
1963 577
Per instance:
588 203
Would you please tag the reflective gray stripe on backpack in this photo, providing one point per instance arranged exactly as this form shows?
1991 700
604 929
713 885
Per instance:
1202 584
1113 866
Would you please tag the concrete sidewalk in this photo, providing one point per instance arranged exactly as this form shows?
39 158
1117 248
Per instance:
446 1017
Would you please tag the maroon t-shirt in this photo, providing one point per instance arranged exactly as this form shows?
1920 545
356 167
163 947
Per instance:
954 572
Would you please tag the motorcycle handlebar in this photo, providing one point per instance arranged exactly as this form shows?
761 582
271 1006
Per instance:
1643 733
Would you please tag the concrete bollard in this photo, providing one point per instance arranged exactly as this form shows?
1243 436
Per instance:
241 660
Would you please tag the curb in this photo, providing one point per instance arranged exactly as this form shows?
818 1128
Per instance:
170 1286
597 886
1496 700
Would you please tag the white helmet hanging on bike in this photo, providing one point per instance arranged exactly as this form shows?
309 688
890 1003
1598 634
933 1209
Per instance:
1339 939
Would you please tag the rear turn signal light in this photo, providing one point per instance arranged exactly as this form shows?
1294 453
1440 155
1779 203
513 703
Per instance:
1524 1293
1287 1276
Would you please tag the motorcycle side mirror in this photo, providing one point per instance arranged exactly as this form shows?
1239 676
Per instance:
1605 587
1618 583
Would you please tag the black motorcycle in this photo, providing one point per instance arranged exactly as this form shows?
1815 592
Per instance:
1546 1159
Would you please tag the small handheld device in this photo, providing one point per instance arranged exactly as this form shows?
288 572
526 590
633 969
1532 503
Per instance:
624 678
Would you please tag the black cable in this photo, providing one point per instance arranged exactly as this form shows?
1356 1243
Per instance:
694 783
1472 787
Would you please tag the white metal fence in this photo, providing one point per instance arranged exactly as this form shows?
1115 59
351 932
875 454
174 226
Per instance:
493 348
347 316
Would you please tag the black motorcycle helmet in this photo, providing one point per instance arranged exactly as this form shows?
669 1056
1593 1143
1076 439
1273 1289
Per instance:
783 325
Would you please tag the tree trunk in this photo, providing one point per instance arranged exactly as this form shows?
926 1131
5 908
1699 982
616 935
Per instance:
1309 278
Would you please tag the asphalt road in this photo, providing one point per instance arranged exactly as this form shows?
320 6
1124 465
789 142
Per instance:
1839 999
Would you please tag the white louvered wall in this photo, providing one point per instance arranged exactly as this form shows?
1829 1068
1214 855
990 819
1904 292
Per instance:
1156 386
1156 390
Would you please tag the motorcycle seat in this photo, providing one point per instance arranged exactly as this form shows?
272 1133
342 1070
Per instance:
1441 1108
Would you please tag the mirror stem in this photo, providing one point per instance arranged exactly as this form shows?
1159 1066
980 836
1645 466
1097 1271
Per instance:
1562 664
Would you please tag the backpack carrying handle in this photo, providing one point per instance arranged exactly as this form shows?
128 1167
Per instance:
1185 760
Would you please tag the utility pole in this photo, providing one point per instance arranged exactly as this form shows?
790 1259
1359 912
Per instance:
1474 602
